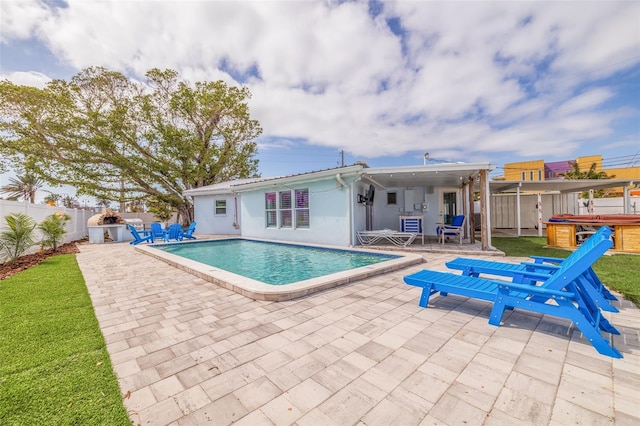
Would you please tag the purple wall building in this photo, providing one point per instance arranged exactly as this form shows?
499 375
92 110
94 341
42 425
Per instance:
555 169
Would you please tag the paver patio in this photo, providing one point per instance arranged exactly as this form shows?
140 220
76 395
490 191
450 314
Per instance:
187 352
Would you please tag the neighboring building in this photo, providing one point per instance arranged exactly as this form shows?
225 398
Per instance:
555 170
524 170
538 170
330 206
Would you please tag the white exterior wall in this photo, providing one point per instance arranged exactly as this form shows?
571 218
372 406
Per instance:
328 221
76 227
388 216
210 223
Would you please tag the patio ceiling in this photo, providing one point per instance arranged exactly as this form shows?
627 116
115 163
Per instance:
437 175
560 185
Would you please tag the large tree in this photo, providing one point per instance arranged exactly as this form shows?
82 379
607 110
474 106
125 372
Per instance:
119 139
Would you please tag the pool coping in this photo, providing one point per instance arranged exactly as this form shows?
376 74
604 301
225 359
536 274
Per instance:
258 290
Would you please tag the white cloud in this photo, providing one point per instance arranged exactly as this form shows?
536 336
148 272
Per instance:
30 78
20 19
472 78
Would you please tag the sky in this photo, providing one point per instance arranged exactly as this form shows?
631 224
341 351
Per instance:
383 82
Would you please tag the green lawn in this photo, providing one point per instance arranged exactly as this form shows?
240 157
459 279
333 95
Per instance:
54 366
619 271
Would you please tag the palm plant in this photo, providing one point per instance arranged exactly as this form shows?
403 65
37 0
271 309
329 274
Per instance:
70 202
103 203
17 237
24 187
53 229
52 199
591 173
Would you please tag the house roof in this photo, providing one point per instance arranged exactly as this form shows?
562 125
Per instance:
558 185
300 178
222 187
240 185
439 175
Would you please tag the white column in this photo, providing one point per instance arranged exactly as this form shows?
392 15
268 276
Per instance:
539 214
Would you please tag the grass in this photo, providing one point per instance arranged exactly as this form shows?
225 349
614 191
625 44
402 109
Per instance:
618 271
54 366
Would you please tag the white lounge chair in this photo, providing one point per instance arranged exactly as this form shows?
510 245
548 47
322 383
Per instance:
400 239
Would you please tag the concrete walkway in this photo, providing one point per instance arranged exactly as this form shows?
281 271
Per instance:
187 352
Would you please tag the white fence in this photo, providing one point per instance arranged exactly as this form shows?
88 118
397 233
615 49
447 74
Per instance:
609 205
76 228
504 210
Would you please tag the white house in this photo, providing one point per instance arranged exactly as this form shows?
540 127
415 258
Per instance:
330 206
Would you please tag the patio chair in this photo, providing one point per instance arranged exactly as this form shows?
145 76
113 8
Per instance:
412 224
561 294
189 231
173 233
137 238
157 231
456 229
533 272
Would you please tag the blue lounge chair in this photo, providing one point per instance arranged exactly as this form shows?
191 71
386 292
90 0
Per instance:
174 232
137 238
561 294
590 274
189 232
533 272
454 230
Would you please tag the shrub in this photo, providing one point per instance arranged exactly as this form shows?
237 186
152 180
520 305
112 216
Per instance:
17 236
53 229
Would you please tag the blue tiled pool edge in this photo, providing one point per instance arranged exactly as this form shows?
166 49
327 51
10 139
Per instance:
260 291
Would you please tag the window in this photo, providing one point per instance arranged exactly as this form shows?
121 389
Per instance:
221 207
391 198
539 174
283 211
286 215
270 209
530 174
524 176
302 208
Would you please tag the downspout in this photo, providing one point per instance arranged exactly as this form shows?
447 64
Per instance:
235 213
344 184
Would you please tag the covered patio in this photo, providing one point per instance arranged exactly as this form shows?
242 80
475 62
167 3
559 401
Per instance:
443 190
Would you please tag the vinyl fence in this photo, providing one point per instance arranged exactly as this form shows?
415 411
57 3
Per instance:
76 228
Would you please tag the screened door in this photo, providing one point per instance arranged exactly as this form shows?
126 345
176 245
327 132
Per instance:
449 206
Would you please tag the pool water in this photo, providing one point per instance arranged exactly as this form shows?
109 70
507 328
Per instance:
273 263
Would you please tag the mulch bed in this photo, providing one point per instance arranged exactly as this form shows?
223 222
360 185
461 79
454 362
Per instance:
8 269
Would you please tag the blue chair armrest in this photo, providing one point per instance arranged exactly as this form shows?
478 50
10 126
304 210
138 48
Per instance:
547 259
532 289
541 266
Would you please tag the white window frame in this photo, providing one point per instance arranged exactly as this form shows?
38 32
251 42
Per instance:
299 210
284 210
268 211
217 207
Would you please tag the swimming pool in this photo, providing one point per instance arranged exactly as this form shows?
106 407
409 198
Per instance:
274 263
266 270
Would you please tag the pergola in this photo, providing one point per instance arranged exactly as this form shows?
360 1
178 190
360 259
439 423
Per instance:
561 186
